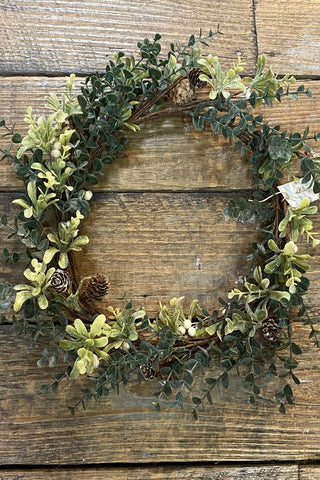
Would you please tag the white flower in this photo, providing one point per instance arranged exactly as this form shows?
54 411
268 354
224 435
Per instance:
192 331
88 195
187 324
181 330
125 346
55 153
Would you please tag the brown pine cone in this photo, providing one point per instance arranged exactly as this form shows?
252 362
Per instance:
60 281
97 287
271 329
182 93
194 80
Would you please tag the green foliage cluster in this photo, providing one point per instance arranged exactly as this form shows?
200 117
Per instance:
63 155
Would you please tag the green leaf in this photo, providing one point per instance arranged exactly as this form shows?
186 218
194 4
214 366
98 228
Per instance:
225 380
21 297
32 191
49 254
43 302
96 327
80 328
91 179
188 378
107 160
295 379
79 242
97 164
63 260
211 381
296 349
288 391
68 345
190 364
279 296
16 138
282 408
101 342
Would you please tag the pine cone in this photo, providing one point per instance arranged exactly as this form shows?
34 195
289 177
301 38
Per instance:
182 93
147 370
271 329
194 75
60 281
98 286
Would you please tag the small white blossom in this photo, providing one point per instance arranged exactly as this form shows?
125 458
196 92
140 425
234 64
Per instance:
125 346
187 324
192 331
88 195
181 330
55 153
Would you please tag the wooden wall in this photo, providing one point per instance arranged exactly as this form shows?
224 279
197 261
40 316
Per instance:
153 220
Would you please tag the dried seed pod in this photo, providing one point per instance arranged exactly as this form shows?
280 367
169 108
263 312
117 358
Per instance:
97 287
60 281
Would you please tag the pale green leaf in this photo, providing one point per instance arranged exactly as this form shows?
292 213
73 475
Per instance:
49 254
63 261
43 302
21 297
80 327
97 326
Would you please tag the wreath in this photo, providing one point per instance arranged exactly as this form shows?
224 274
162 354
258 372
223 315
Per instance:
64 153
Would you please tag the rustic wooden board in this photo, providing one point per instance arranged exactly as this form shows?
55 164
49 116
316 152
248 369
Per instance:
175 240
288 34
155 246
268 472
309 472
46 37
37 428
167 155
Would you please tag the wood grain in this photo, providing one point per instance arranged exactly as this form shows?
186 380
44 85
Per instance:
309 472
37 428
158 246
50 37
267 472
289 36
155 246
167 155
157 213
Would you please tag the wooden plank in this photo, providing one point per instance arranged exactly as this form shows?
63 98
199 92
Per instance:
176 240
265 472
37 429
309 472
50 37
290 44
167 155
155 246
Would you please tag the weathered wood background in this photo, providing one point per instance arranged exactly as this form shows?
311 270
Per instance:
157 216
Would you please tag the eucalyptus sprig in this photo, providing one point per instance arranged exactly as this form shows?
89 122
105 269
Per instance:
64 153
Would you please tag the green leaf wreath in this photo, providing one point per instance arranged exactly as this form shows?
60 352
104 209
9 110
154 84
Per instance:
63 154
